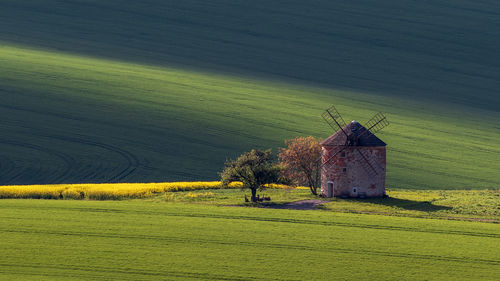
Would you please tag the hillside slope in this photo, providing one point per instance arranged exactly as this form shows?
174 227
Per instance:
154 91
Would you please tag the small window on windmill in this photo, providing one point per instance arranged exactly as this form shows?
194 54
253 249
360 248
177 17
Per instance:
344 170
342 155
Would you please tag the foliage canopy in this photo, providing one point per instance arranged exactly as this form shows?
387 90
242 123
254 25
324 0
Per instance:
254 169
300 162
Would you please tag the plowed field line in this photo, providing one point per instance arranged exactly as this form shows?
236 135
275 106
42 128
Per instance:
190 240
132 161
68 160
149 272
281 220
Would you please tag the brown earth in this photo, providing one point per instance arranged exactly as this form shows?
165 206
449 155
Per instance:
297 205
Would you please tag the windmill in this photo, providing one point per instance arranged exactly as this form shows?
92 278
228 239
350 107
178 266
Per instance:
354 137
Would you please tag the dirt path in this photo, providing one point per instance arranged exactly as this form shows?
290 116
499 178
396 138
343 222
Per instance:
297 205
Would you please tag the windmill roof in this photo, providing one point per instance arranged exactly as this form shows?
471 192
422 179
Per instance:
353 128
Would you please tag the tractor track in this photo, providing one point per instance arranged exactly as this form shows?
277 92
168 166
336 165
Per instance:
134 271
274 219
67 159
132 161
6 166
278 246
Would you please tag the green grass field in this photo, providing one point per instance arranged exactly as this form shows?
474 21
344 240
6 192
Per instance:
128 91
148 91
467 205
140 240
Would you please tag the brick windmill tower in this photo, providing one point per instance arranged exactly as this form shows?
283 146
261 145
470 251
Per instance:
353 158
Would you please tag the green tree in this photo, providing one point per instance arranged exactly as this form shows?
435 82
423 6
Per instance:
254 169
301 162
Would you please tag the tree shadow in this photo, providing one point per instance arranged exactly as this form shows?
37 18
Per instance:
310 204
424 206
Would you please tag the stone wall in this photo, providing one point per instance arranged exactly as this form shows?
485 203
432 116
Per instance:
348 173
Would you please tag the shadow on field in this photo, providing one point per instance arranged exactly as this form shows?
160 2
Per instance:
297 205
406 204
339 44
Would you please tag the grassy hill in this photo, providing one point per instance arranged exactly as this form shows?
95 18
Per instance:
117 91
131 240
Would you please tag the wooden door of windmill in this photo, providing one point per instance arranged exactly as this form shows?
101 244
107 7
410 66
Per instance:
329 189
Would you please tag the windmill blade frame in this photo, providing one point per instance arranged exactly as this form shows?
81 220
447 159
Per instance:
367 165
340 149
333 118
375 124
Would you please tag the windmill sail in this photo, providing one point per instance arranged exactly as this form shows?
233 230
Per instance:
338 149
375 124
334 119
369 166
365 160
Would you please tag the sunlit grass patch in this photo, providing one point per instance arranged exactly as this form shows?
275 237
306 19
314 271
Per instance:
234 196
452 204
426 203
149 240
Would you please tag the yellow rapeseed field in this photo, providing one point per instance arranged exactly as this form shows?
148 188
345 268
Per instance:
109 191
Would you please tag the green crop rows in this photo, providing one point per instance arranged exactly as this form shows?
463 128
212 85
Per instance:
139 240
141 91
